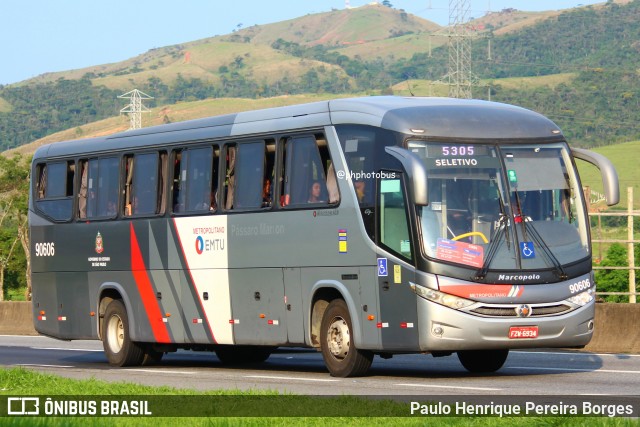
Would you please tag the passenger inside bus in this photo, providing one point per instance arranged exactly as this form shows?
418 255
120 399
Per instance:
315 193
360 188
266 193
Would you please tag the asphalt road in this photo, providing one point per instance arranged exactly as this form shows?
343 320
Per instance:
302 371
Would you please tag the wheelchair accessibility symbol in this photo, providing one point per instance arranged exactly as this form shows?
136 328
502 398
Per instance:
527 250
382 267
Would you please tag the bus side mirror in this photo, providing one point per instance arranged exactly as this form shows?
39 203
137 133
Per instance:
607 172
416 174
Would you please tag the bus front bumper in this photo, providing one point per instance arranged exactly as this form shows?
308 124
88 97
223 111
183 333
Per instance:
446 329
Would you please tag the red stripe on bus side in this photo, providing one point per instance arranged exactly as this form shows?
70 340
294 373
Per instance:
186 260
151 306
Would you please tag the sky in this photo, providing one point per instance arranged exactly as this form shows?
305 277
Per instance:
40 36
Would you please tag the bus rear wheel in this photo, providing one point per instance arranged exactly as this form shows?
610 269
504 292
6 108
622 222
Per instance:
339 352
483 361
118 347
151 357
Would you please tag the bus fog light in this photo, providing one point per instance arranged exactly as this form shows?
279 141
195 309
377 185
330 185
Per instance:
437 331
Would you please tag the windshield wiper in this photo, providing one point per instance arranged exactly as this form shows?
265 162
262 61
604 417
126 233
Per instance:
538 240
493 247
495 241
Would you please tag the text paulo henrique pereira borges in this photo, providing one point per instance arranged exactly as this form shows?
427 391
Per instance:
515 409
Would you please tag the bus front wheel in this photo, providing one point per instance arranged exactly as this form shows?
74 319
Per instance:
483 361
339 352
118 347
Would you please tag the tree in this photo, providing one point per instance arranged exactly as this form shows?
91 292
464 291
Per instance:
614 280
387 3
14 199
8 241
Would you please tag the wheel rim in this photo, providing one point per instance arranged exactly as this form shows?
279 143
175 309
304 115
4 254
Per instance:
115 334
339 338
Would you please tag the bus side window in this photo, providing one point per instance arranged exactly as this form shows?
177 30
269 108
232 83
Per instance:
194 172
249 175
306 177
143 178
54 189
99 186
393 220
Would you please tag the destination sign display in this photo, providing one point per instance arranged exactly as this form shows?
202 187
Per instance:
458 150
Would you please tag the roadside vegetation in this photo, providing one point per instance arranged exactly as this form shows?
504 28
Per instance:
24 382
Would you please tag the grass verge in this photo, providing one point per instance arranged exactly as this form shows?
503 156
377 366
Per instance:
24 382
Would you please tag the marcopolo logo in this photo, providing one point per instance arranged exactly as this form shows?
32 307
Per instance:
207 245
518 277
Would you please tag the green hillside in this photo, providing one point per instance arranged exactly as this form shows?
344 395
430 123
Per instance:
340 27
625 158
586 57
203 58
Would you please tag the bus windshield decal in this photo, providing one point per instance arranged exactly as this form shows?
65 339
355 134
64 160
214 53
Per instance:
460 252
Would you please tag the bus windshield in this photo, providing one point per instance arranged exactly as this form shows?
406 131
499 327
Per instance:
506 207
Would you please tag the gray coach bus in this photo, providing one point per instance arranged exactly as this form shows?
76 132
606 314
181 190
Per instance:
360 227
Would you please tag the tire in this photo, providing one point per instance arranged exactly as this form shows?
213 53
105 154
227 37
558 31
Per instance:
118 347
482 361
241 354
339 351
151 357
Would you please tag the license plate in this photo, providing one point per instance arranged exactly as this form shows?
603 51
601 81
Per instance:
517 332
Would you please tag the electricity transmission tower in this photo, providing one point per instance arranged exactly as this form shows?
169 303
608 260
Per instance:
459 77
135 107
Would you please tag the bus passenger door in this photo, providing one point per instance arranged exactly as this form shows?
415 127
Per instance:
398 319
293 305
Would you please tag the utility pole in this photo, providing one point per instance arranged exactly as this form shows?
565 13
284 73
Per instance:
135 107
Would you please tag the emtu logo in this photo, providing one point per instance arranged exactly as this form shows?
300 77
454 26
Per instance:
209 245
199 245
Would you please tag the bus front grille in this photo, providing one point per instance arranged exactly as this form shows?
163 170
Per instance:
511 310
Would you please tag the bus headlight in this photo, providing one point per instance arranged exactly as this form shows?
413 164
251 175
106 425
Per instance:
438 297
583 298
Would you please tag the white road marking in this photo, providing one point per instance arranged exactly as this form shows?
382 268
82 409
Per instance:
271 377
156 371
25 336
609 371
66 349
575 353
43 366
449 386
